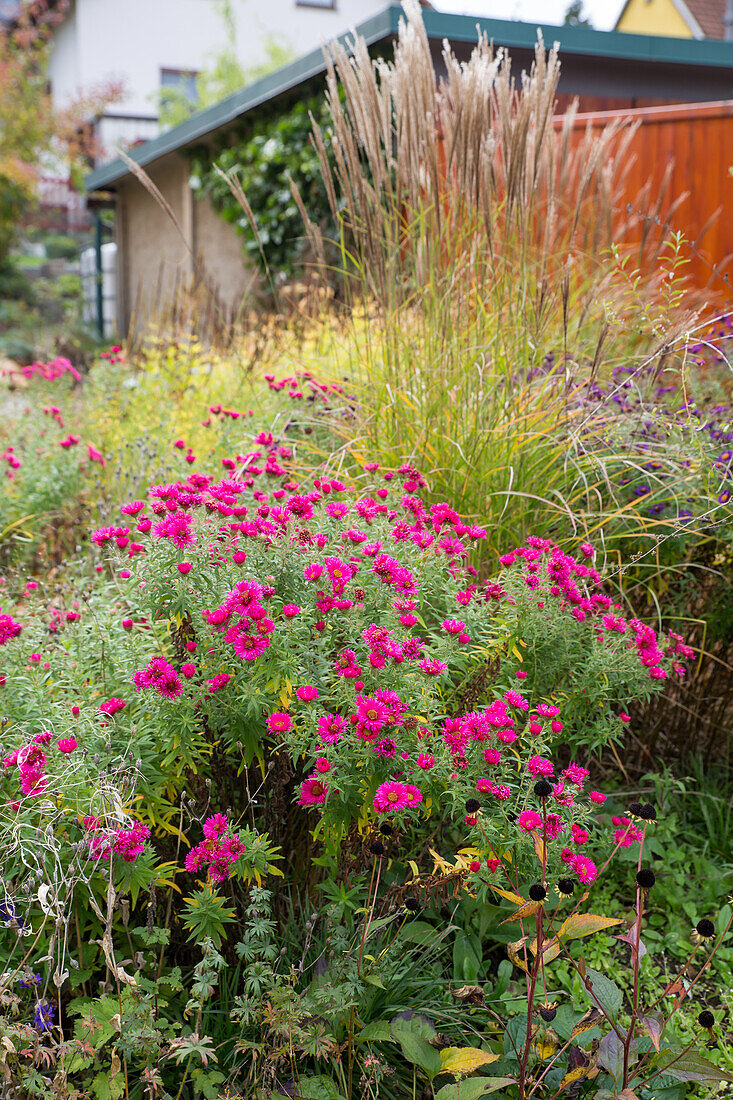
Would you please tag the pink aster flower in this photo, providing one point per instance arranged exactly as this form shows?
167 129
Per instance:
576 774
307 693
425 760
290 610
67 744
216 683
372 714
112 706
331 728
391 796
215 825
539 765
312 791
529 820
279 722
584 868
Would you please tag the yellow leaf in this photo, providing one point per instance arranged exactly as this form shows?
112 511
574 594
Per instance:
527 910
516 898
550 951
414 868
547 1046
573 1076
589 1020
584 924
539 847
512 950
464 1059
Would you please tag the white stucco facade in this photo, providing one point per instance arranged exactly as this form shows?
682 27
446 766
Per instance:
135 40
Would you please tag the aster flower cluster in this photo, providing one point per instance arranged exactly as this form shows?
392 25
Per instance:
680 447
30 761
218 851
102 841
345 618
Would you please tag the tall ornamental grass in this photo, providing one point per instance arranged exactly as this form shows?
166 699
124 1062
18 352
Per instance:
482 240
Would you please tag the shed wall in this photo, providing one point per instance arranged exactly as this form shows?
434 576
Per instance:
153 256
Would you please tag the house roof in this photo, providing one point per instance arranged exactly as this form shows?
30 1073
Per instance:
704 18
630 53
709 16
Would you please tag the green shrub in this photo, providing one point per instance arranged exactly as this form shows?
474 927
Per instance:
61 247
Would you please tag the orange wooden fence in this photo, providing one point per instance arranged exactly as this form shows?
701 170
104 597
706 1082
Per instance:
697 141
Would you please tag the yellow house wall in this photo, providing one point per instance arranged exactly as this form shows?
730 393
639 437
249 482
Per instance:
653 17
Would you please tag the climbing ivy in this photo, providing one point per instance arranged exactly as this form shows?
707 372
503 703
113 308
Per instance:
273 147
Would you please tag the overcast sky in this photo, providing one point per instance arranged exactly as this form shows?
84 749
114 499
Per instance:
602 13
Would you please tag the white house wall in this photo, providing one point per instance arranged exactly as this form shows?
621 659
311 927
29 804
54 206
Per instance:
134 39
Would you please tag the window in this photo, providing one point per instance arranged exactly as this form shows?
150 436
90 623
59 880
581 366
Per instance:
184 80
331 4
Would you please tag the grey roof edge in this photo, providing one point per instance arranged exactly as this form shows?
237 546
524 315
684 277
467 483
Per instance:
439 25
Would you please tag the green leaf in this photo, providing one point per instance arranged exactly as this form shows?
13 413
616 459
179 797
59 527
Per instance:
108 1088
585 924
470 1090
605 993
376 1032
690 1067
421 933
317 1088
415 1046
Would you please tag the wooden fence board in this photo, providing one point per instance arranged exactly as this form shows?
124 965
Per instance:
698 141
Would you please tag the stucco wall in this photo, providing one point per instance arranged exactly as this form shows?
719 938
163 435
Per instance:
133 40
219 248
152 257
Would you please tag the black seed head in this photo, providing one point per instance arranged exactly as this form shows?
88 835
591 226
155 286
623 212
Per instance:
386 830
548 1013
376 848
706 1018
566 886
542 788
412 904
472 805
635 809
645 878
705 928
537 892
648 812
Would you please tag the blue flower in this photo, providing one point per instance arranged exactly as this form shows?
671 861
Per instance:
36 979
43 1018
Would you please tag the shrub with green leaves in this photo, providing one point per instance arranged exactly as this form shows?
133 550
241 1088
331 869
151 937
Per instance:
277 149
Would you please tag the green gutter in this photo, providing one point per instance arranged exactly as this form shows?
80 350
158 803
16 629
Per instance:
583 41
381 27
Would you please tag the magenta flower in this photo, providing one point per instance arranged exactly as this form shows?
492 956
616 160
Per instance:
279 722
529 820
307 693
392 796
312 792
